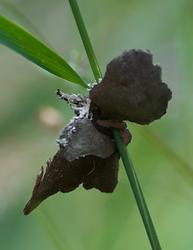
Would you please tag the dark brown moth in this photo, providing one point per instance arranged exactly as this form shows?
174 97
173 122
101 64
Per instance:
131 90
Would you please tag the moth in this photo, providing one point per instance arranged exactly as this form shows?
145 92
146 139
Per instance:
130 90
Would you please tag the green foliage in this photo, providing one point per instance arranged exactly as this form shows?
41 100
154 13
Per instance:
30 47
164 27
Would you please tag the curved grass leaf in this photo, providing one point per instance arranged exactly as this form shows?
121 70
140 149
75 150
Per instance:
21 41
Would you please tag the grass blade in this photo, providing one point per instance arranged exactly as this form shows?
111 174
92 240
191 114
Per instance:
181 164
21 17
121 147
85 39
137 193
16 38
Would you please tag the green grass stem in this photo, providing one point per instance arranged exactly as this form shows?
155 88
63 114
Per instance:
85 39
143 209
149 227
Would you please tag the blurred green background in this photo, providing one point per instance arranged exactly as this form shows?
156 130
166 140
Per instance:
31 117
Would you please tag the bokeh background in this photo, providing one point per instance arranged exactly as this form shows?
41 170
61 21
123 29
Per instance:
31 117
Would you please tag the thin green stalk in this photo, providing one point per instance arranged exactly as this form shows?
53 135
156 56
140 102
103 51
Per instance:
85 39
50 227
121 147
137 192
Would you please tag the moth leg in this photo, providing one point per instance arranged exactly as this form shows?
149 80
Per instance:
120 125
